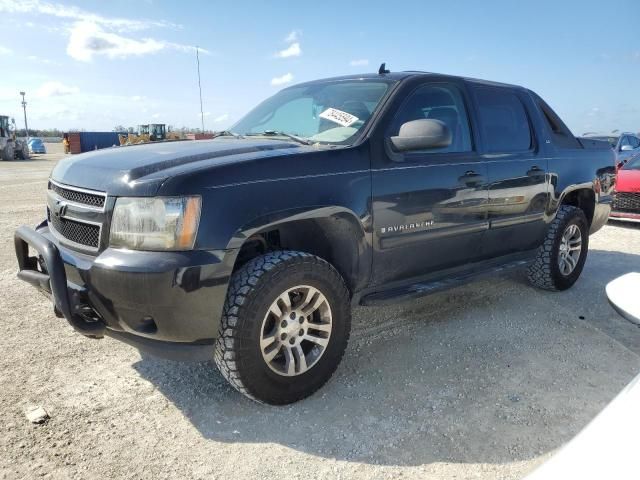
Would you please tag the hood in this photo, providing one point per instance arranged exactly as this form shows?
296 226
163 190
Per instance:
628 180
141 169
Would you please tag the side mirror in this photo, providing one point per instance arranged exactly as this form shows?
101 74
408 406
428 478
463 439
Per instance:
626 148
422 134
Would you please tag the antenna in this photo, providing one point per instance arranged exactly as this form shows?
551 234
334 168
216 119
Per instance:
382 70
200 89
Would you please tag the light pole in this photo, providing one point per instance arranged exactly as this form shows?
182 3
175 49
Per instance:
24 108
200 89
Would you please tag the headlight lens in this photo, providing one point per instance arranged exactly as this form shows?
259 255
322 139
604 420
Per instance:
159 223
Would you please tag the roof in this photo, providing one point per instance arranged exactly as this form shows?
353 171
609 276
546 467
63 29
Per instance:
397 76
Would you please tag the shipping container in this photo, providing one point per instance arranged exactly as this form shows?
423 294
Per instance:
74 143
200 136
80 142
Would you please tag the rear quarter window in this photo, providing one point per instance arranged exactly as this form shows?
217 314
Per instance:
560 133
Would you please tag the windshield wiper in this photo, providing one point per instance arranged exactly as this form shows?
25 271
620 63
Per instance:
276 133
227 133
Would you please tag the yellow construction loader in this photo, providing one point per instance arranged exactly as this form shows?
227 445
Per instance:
154 132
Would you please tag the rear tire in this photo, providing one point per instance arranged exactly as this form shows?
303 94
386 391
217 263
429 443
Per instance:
560 259
284 328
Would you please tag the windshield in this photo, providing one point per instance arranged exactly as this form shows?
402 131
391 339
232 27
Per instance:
326 112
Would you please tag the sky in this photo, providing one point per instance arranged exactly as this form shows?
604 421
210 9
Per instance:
96 64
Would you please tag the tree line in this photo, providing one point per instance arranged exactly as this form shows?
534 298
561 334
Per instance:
170 128
54 132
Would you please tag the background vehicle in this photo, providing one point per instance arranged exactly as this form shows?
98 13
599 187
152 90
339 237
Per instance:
606 447
10 147
154 132
626 145
36 145
626 201
252 247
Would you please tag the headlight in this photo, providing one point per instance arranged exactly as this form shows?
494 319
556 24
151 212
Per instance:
160 223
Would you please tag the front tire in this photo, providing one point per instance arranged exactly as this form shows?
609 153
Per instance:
8 153
284 328
560 259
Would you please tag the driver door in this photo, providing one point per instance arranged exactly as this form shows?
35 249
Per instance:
429 206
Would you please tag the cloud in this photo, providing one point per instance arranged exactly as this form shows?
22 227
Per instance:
286 78
5 50
292 50
89 39
91 34
46 61
221 118
74 13
55 89
293 36
361 62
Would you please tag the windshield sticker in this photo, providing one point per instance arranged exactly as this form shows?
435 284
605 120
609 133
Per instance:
338 116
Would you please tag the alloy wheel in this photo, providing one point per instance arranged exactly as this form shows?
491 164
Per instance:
570 249
296 330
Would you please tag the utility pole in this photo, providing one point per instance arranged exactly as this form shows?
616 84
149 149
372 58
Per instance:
200 89
24 108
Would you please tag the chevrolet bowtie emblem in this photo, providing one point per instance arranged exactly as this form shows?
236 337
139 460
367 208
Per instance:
59 209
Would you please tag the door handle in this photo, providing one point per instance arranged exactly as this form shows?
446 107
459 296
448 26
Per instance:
535 171
471 178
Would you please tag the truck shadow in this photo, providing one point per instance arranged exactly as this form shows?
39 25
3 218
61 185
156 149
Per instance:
623 224
490 372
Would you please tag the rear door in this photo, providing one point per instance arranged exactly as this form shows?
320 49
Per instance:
429 207
516 167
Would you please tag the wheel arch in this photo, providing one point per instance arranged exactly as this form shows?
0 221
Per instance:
332 233
582 197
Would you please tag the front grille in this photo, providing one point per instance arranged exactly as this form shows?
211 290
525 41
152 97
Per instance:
626 202
85 234
77 196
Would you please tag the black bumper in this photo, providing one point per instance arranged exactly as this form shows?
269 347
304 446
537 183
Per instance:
166 303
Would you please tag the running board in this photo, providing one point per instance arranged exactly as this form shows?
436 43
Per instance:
420 289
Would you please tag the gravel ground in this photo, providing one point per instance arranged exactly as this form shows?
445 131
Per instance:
485 381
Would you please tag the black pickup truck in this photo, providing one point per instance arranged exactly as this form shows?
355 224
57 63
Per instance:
251 248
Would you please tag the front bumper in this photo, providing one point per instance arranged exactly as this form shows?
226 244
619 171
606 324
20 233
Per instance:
625 216
165 303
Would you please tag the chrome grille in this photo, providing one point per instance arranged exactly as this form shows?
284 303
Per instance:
83 234
626 202
76 216
79 196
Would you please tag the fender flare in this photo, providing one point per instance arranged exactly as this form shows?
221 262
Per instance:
354 262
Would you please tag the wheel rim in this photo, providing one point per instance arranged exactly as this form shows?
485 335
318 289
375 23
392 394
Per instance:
296 330
570 249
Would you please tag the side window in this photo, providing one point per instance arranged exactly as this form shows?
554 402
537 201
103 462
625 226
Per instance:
439 102
504 124
634 142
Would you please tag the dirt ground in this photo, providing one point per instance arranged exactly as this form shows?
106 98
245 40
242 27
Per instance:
485 381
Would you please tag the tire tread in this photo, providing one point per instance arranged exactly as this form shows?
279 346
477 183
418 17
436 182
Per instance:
247 281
